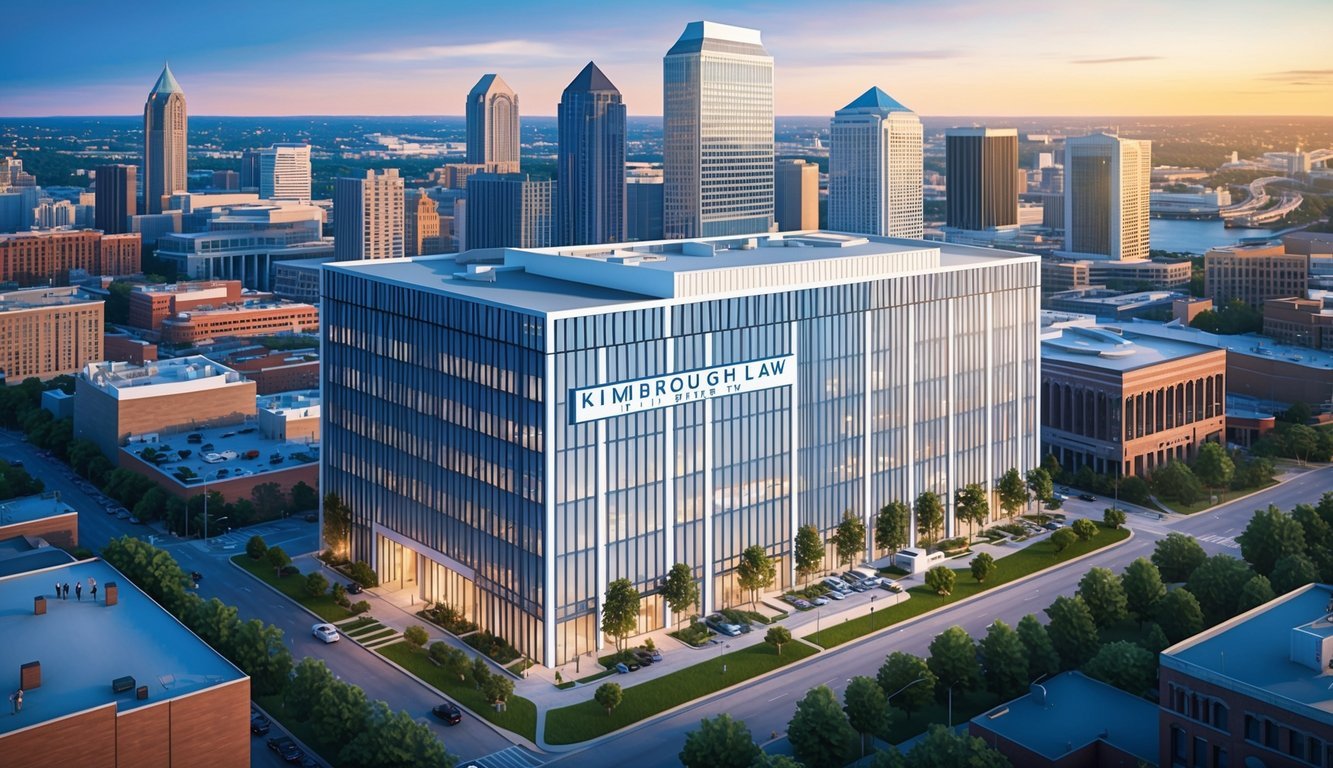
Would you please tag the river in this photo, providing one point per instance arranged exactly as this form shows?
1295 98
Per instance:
1186 236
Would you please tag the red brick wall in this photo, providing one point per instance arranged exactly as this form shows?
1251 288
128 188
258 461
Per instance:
231 489
59 530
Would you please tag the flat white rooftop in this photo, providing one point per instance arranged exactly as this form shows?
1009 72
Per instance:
30 508
162 377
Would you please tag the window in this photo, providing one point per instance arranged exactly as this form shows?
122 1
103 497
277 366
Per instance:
1219 757
1177 746
1271 734
1220 717
1200 751
1252 729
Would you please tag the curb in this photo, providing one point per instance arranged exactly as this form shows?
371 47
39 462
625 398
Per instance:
304 748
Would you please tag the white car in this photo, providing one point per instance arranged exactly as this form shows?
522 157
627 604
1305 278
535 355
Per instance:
326 632
819 601
835 594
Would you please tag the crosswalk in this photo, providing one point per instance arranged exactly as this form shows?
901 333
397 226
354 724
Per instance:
512 757
1223 541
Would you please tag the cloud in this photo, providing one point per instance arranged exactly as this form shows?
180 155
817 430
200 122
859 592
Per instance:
833 58
1116 60
1303 73
511 48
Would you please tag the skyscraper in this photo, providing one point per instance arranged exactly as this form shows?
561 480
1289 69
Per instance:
591 161
368 216
421 224
508 211
164 134
981 165
718 132
875 168
115 201
284 172
492 125
1106 197
796 189
250 170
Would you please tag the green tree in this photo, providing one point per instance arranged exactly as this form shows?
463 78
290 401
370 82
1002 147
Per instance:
1084 529
416 635
942 748
1176 481
893 526
342 709
971 505
608 696
1006 667
394 740
1063 539
1043 660
1301 441
1143 589
278 559
755 571
1180 615
1176 557
620 611
941 580
849 538
809 551
867 711
451 660
255 547
1216 583
1114 517
719 742
1040 484
680 590
953 660
819 733
1072 630
1293 572
907 681
269 499
479 672
1154 640
260 652
983 567
1255 593
337 524
310 682
1013 492
315 584
1124 664
777 637
1102 592
304 497
497 689
1270 535
929 515
1213 466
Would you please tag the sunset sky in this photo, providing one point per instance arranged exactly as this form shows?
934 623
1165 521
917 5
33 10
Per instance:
420 57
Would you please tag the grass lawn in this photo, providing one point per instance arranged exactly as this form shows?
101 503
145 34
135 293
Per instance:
580 722
293 587
1029 560
372 637
598 676
352 626
966 705
278 711
1222 498
365 629
520 717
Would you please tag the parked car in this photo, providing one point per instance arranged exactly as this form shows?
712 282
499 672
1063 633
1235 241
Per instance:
196 576
854 580
891 586
718 623
259 724
645 658
326 632
834 594
869 576
1052 526
16 464
135 520
353 588
625 668
819 600
1087 497
656 654
122 513
286 749
448 712
1063 489
799 602
836 584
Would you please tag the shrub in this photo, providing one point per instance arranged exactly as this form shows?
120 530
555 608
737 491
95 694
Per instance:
256 547
316 584
1063 538
957 543
1113 517
495 647
290 570
363 574
339 594
359 607
416 635
449 618
1084 529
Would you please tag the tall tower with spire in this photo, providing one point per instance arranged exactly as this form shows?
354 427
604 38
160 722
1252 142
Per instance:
590 199
875 168
492 125
164 144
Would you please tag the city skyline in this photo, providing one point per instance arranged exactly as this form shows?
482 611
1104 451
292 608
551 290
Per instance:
961 58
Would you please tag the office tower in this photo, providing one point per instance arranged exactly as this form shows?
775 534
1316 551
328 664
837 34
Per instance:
245 241
1106 181
115 200
875 168
54 214
421 224
717 132
227 181
509 211
250 170
46 258
12 175
796 195
164 164
368 216
982 169
284 172
492 125
591 180
643 209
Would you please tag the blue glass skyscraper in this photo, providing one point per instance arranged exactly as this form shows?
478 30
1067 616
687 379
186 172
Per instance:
590 198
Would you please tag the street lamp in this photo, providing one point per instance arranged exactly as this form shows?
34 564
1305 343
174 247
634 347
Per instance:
214 476
921 679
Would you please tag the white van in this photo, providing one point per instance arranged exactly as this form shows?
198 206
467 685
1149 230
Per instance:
869 576
917 560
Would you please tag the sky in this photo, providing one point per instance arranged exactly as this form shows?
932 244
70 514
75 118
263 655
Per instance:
420 57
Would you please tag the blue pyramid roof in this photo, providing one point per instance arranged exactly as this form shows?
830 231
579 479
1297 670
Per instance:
166 82
877 99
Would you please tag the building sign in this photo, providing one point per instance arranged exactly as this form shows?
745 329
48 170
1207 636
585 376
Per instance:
620 398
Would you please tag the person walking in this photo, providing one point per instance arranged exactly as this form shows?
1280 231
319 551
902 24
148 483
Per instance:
93 589
78 591
57 590
65 589
16 698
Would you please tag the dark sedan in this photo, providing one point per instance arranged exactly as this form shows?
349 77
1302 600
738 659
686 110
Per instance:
448 712
286 749
259 724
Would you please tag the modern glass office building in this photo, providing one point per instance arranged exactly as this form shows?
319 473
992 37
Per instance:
511 437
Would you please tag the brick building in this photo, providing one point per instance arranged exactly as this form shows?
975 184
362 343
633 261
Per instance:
44 516
46 332
278 370
1254 274
124 348
151 304
37 258
206 325
1305 322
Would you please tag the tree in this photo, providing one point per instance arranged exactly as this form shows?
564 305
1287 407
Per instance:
278 559
893 526
269 500
809 551
451 659
1143 589
342 709
310 681
867 711
479 672
942 748
1213 466
1084 529
819 733
1006 667
983 567
680 590
620 611
394 739
1063 539
608 696
337 523
1072 630
497 689
850 539
755 571
941 580
1292 572
1013 492
929 515
1105 597
953 660
907 681
259 650
777 637
971 505
1176 557
416 635
1177 481
1043 660
1124 664
1301 441
1270 535
720 742
1180 615
1216 583
255 547
315 584
304 497
1154 640
1040 483
1114 517
1255 593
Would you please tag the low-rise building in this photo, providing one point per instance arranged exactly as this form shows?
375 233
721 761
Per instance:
1114 305
1158 274
120 346
275 371
42 516
298 279
151 304
46 258
1305 322
290 416
1254 274
202 326
46 332
243 242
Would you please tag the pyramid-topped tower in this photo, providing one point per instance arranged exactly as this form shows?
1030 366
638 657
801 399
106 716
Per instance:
164 145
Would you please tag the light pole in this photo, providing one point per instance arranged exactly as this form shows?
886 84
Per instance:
951 685
889 698
206 477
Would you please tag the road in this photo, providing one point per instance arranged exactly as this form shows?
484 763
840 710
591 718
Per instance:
347 660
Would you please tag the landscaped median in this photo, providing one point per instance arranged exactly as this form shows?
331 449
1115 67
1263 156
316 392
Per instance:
580 722
520 715
1033 558
293 586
